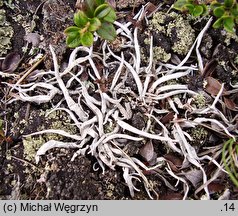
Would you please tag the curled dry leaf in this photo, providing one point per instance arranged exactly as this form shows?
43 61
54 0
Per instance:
215 187
167 118
173 167
147 151
11 62
177 161
150 9
213 86
194 176
209 68
230 104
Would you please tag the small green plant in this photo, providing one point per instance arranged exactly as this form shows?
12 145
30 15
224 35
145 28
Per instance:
226 12
230 159
194 8
95 16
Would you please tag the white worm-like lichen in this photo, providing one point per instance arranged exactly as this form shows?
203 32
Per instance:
103 118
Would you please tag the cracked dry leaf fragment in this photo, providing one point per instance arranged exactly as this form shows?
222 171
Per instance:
213 86
194 176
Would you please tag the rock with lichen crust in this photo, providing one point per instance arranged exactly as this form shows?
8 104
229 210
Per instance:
57 120
171 34
128 3
6 32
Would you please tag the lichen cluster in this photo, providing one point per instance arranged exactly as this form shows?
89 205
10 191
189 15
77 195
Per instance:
128 3
200 101
199 135
171 34
6 32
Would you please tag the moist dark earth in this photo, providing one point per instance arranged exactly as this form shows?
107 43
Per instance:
56 176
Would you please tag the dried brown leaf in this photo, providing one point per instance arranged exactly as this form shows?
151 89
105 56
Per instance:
215 187
194 176
167 118
213 86
11 62
171 196
150 9
173 167
177 161
230 104
147 151
209 68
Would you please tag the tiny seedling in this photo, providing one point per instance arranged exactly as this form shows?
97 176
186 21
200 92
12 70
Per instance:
95 16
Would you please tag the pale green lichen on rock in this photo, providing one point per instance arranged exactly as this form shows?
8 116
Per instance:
157 21
128 3
31 145
200 101
176 31
184 33
6 32
229 37
236 60
160 54
57 120
199 135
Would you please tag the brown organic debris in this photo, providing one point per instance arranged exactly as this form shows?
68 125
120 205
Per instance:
11 62
213 86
